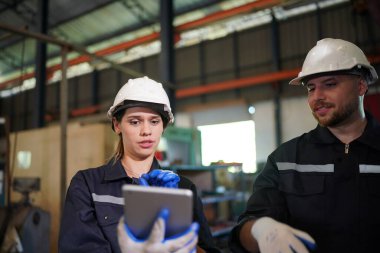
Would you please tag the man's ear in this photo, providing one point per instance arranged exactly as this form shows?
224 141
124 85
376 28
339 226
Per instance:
116 125
363 87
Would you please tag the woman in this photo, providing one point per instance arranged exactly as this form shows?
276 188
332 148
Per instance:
94 203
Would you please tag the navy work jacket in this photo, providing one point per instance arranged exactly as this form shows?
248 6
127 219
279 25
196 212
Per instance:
318 184
94 205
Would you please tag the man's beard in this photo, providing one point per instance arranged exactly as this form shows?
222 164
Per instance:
339 116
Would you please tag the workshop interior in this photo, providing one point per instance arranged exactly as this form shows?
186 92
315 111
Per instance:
225 64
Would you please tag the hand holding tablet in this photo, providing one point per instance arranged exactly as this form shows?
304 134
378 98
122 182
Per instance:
156 242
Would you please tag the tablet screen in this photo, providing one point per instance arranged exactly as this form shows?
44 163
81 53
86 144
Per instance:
142 205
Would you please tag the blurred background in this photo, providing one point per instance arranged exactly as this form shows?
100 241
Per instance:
225 64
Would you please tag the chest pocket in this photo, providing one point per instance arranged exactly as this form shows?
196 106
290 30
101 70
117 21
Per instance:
302 184
305 195
374 187
372 207
371 175
108 214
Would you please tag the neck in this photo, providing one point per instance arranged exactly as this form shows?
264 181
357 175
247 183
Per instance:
134 167
350 131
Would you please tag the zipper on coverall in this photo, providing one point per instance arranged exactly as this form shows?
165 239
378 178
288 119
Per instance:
346 148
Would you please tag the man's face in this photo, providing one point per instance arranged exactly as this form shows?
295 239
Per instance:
334 99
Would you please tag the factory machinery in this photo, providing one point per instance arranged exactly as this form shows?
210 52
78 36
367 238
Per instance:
23 226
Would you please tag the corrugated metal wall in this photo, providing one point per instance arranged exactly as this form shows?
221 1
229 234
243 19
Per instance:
242 54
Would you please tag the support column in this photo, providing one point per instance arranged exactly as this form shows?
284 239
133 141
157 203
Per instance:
64 118
95 88
277 85
166 61
41 57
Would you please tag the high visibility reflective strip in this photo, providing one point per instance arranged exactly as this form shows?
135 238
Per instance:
306 167
107 199
365 168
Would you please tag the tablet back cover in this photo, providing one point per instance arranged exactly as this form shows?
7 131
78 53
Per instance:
142 205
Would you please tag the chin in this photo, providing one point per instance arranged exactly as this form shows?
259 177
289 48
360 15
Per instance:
322 121
145 153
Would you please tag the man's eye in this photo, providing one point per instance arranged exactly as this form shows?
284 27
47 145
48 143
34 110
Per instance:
310 88
330 84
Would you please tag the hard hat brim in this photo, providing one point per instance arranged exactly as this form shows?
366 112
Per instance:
159 108
302 80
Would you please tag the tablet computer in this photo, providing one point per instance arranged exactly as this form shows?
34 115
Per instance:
142 205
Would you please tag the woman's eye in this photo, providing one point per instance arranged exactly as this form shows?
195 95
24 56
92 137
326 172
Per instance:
134 122
155 121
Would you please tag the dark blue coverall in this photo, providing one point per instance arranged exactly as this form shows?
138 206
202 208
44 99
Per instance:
94 205
320 185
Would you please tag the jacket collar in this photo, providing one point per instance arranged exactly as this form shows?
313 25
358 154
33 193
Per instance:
115 170
370 136
322 135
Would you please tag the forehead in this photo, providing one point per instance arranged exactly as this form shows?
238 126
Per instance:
135 111
328 78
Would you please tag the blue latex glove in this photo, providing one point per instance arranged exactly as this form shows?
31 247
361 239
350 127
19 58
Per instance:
162 178
156 242
310 245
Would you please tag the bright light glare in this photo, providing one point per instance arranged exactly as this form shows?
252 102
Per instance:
231 142
251 109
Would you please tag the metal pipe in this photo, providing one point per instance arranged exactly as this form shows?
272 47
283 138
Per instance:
70 46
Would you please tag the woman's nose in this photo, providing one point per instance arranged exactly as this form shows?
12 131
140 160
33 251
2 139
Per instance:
146 129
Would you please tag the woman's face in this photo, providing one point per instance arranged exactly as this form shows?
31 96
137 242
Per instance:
141 129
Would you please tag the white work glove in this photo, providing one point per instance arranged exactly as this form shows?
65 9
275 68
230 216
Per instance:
273 237
156 241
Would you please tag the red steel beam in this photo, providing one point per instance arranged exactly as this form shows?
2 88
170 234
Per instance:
84 58
220 86
248 81
85 111
237 83
260 4
210 88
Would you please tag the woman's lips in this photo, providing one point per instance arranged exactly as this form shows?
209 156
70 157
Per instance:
146 144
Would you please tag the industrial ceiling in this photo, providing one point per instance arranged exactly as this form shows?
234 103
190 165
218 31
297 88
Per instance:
85 22
98 25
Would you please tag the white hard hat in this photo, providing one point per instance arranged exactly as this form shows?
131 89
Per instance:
143 90
330 55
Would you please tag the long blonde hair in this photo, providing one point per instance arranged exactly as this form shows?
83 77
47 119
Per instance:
119 152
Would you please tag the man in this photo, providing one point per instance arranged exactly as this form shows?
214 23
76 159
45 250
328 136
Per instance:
320 192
